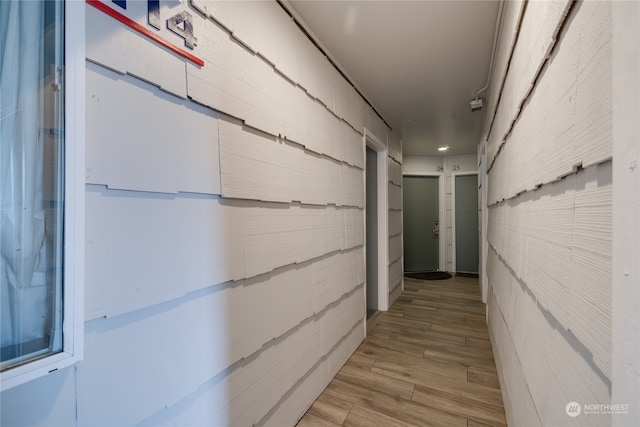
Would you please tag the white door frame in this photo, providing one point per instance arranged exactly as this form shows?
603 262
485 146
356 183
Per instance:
453 216
484 221
441 214
380 147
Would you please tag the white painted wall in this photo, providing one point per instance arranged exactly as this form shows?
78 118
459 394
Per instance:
550 214
625 361
224 227
444 166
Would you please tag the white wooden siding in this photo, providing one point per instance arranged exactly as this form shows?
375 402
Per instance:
261 167
550 212
537 345
511 16
395 273
139 138
292 407
114 46
395 222
257 383
395 197
537 154
213 241
335 275
566 228
395 145
395 248
225 226
536 37
395 172
349 106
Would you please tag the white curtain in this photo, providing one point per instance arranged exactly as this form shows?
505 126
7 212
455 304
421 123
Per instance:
22 214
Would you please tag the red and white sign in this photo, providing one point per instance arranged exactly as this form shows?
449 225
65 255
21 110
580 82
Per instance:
180 23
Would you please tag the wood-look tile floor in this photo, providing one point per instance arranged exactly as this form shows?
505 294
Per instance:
426 362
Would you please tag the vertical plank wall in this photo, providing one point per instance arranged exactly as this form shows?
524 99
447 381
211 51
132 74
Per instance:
225 227
550 210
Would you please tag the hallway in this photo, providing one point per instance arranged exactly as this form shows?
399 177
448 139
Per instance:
427 361
195 173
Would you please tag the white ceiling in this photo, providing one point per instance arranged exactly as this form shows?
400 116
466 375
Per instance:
419 63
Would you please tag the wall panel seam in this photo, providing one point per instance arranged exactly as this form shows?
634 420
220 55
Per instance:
284 139
540 186
213 196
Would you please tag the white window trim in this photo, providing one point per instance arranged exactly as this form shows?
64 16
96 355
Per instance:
73 292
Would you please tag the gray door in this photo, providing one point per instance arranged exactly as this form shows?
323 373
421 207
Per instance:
421 221
372 231
466 207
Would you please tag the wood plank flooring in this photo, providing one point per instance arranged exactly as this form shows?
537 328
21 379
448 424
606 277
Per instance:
426 362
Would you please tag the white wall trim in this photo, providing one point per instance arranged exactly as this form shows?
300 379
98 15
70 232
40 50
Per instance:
625 376
453 215
383 231
381 149
484 245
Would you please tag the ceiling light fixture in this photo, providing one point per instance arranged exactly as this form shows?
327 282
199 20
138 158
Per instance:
445 148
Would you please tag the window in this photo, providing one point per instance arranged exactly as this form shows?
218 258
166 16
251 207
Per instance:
40 212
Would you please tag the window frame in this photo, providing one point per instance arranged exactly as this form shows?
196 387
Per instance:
74 187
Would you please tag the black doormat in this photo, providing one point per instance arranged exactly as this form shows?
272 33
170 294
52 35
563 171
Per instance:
472 275
428 275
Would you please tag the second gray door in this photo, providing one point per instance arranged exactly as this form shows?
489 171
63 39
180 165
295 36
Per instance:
466 207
